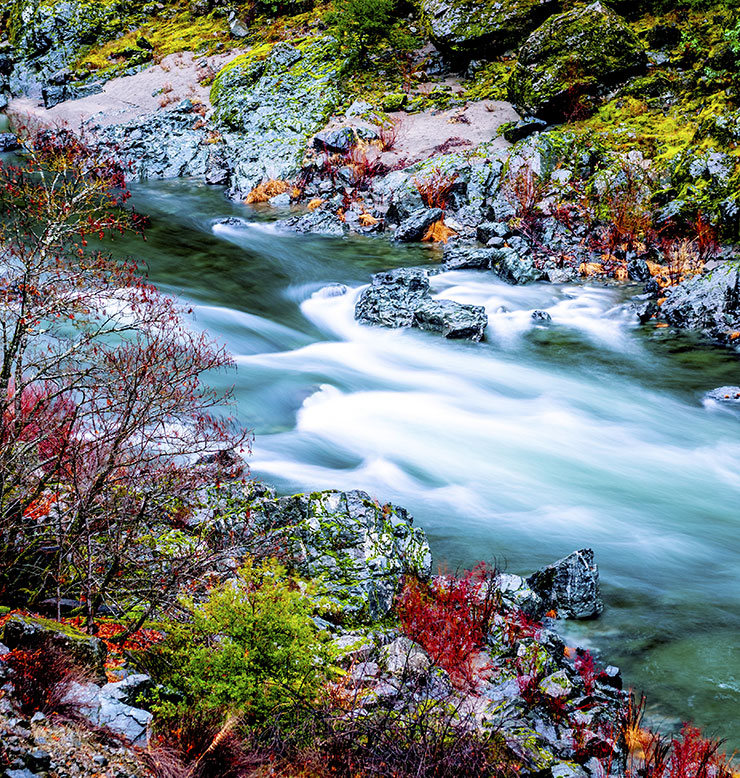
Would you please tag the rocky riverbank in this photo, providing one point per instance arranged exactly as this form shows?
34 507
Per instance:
552 708
612 175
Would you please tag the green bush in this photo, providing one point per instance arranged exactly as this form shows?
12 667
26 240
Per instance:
251 650
358 24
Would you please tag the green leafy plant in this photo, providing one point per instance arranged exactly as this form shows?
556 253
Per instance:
251 650
358 24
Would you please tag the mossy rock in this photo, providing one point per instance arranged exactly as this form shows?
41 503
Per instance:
568 62
35 634
477 26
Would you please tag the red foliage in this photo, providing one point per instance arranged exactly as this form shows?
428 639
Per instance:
42 680
436 187
586 668
450 618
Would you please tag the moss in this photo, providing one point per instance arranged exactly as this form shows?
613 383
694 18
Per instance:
490 83
244 70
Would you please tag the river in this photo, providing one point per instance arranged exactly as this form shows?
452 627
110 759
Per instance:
543 439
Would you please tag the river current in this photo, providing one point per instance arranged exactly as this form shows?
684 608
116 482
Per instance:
591 431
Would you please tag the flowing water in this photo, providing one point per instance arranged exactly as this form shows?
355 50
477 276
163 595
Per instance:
543 439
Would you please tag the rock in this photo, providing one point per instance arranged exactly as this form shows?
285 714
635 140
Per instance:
414 227
103 709
541 316
218 169
87 652
237 27
516 131
568 770
316 223
395 101
356 550
351 649
464 259
638 270
336 141
131 690
570 586
729 395
708 302
488 230
557 685
454 320
517 592
403 657
37 760
645 309
393 297
571 56
514 268
483 26
8 142
23 773
269 107
162 145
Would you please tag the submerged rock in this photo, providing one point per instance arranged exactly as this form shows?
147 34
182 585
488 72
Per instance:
570 586
572 56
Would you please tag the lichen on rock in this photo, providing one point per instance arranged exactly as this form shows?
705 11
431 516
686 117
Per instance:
572 57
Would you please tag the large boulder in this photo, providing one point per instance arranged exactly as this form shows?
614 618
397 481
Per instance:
269 104
49 35
414 227
571 59
709 302
104 707
483 26
570 586
393 297
162 145
34 634
356 550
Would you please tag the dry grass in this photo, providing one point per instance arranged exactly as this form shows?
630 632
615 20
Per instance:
267 190
438 232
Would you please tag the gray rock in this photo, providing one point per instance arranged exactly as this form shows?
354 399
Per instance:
269 109
356 549
337 141
464 259
8 142
23 773
103 709
514 268
515 131
131 690
557 685
541 316
415 226
570 586
316 223
162 145
484 27
638 270
568 770
34 634
488 230
350 649
403 657
708 302
729 395
218 169
454 320
571 55
393 297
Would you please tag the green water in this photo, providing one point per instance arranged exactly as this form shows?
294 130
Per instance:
590 432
